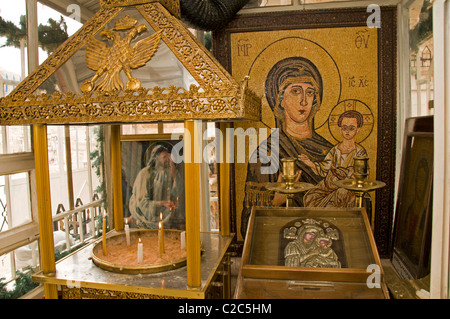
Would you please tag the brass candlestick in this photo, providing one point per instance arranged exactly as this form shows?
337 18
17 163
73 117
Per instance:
289 187
360 168
360 185
289 174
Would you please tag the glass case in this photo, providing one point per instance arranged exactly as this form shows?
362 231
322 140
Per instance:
310 253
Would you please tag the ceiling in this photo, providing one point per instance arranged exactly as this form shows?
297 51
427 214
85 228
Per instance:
87 7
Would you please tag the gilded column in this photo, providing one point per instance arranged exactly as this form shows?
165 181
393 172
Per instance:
192 190
225 180
44 207
116 177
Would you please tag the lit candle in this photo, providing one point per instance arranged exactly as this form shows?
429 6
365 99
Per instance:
104 234
140 251
161 236
127 231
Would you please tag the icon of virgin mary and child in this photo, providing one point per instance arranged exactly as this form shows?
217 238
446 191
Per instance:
311 248
294 91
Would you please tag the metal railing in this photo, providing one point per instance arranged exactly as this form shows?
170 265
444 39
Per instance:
80 224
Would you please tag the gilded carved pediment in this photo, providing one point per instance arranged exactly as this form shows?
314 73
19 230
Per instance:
129 63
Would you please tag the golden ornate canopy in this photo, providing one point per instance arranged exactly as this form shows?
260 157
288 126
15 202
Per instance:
104 74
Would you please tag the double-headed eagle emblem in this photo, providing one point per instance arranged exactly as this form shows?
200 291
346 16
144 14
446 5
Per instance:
108 62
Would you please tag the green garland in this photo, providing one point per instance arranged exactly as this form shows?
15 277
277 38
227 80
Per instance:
424 28
23 284
50 36
97 160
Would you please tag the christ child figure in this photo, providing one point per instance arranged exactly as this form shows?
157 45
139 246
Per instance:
337 165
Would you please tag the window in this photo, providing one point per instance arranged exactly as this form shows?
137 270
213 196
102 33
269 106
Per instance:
19 231
18 218
152 128
131 129
83 176
20 260
421 56
15 207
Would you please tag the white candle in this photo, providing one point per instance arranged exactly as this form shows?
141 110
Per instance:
140 252
161 238
104 234
127 232
183 240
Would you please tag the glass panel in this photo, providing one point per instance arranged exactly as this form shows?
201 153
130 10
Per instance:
18 139
213 178
9 79
152 184
12 46
27 256
163 70
96 159
288 289
15 207
45 13
277 239
3 204
17 265
80 174
421 55
130 129
57 167
6 271
20 199
15 139
81 164
173 128
13 68
57 29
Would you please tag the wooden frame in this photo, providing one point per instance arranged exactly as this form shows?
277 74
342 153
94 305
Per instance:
412 231
348 274
231 42
266 269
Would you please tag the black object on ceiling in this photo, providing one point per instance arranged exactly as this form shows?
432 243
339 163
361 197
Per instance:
210 15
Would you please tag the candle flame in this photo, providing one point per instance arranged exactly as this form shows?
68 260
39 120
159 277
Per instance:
126 221
140 241
160 216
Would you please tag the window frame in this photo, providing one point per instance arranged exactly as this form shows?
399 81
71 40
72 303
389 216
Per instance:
27 233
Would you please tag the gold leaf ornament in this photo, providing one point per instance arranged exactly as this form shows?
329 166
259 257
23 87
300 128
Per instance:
109 62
